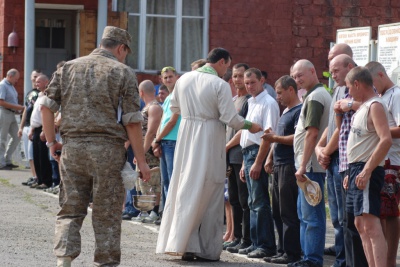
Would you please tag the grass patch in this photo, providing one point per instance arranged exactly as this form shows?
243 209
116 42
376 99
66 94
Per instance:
28 198
6 182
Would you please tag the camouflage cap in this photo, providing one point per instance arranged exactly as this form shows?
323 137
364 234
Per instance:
117 34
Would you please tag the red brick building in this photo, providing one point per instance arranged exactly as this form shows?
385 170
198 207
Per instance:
267 34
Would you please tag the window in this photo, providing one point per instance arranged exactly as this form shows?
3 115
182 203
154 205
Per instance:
50 33
166 33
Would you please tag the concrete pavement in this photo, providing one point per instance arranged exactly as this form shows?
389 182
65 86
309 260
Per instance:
27 228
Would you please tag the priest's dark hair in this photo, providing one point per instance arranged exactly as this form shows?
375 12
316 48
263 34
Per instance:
217 54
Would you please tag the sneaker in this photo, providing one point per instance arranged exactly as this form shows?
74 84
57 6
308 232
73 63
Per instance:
34 185
48 190
35 180
30 179
42 186
151 218
55 189
236 248
64 261
140 217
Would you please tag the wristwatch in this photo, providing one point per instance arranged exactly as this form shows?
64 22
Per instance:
350 103
50 144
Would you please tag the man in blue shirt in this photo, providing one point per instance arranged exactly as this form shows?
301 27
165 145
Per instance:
8 107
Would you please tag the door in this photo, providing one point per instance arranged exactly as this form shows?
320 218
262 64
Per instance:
54 38
88 28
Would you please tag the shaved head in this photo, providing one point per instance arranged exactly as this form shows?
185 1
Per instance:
338 49
147 87
343 59
303 72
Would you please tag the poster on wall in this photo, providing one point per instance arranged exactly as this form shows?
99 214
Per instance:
359 41
389 50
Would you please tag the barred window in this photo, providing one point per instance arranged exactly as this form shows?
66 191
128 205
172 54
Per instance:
166 33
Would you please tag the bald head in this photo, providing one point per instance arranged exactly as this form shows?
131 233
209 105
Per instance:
147 87
41 82
338 49
303 72
339 67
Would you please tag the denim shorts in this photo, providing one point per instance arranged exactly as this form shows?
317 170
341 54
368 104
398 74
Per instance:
367 200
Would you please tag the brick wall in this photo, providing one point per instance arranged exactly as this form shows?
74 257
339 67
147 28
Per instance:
257 32
273 34
11 11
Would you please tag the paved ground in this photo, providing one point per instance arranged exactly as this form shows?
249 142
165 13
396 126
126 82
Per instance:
27 226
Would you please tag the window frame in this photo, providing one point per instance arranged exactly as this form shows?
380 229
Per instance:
178 33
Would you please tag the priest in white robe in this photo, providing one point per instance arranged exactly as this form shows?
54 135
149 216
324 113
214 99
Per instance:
192 224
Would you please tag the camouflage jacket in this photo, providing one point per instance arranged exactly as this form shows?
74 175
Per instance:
89 90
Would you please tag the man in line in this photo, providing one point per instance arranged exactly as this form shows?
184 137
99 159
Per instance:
94 88
328 155
8 123
313 120
390 194
339 49
354 251
24 127
192 223
40 150
152 113
163 93
237 189
263 109
267 86
368 144
280 161
167 132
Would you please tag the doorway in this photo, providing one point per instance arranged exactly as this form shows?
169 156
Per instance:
54 38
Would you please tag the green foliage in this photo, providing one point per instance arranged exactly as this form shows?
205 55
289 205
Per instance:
327 75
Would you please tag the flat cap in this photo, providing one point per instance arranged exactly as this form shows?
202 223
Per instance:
117 34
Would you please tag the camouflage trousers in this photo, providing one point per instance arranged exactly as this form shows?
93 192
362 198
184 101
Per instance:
91 166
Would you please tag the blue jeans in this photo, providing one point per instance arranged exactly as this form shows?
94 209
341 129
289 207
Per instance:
166 164
312 223
129 208
55 172
262 233
335 200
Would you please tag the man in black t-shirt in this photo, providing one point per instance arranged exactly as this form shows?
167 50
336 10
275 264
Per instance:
237 190
24 127
280 162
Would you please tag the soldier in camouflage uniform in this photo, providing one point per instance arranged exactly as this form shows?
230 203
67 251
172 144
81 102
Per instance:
99 99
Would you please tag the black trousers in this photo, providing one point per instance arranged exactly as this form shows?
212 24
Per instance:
284 210
41 159
238 198
354 250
